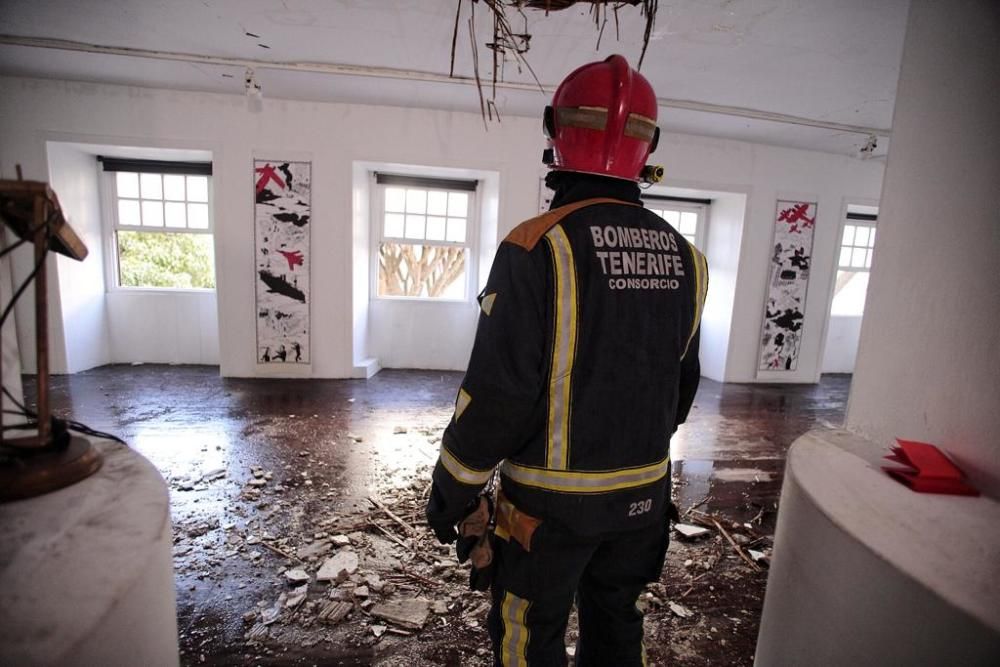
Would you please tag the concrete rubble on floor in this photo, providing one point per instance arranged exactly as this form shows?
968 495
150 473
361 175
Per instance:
323 472
411 613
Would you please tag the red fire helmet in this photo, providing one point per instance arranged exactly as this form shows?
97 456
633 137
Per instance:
603 120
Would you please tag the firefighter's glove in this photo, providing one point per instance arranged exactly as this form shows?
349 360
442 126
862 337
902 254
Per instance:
475 543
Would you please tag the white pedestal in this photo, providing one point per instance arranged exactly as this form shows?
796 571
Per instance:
867 572
86 573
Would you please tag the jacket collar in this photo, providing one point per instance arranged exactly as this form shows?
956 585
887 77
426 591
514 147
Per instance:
573 187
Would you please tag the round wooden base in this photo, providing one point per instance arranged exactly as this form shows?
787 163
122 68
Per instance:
35 474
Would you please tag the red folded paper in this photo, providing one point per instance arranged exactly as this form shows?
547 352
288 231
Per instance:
927 470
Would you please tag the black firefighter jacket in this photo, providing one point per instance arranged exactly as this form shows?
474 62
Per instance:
585 361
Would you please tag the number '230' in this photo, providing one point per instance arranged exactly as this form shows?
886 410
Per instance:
640 507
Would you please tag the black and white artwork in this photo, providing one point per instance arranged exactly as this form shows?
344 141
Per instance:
785 302
282 212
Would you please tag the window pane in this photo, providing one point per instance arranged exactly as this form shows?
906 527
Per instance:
673 217
198 216
128 184
848 235
845 257
458 204
871 239
861 236
689 238
868 260
165 259
393 224
657 211
414 226
435 228
688 223
395 199
152 213
173 187
443 269
416 201
152 186
128 212
456 230
437 202
197 188
174 214
858 257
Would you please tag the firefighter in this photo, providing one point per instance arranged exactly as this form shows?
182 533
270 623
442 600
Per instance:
585 361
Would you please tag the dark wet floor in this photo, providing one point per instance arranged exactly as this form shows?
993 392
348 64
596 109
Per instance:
328 444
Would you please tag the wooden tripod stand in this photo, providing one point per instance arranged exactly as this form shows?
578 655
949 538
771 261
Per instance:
34 464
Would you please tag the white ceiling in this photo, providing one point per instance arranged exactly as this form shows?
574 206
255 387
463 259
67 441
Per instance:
826 60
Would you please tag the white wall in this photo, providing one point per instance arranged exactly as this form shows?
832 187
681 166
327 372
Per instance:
338 135
73 175
841 347
929 362
163 327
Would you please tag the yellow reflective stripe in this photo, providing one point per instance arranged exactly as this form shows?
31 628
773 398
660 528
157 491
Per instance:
563 349
487 303
701 291
461 402
514 649
462 472
593 118
567 481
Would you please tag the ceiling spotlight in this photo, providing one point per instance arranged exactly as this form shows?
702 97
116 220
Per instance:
255 96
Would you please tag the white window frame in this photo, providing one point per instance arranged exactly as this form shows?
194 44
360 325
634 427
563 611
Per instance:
699 209
869 246
109 187
471 244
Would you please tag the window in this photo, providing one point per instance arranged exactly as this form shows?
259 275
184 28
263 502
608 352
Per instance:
425 233
853 265
161 234
687 217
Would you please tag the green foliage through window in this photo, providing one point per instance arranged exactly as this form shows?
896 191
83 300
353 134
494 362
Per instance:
172 260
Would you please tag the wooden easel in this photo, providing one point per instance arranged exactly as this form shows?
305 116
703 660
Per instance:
41 463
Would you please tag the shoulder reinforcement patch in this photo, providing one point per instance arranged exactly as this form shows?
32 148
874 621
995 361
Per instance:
529 232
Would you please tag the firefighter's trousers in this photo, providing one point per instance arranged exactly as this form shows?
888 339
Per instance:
533 594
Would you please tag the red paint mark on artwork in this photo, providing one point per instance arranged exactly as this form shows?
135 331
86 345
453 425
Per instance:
294 258
267 173
796 214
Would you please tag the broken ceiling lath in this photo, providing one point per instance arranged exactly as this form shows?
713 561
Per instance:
508 42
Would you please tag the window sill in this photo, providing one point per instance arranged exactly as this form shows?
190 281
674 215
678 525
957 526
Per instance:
165 291
419 299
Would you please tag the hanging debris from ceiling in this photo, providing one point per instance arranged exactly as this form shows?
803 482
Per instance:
510 44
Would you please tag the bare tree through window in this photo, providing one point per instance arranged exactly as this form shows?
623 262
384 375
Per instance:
418 270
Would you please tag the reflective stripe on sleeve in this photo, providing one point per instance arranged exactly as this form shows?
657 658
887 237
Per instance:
462 472
701 291
487 303
461 403
514 649
566 481
563 349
